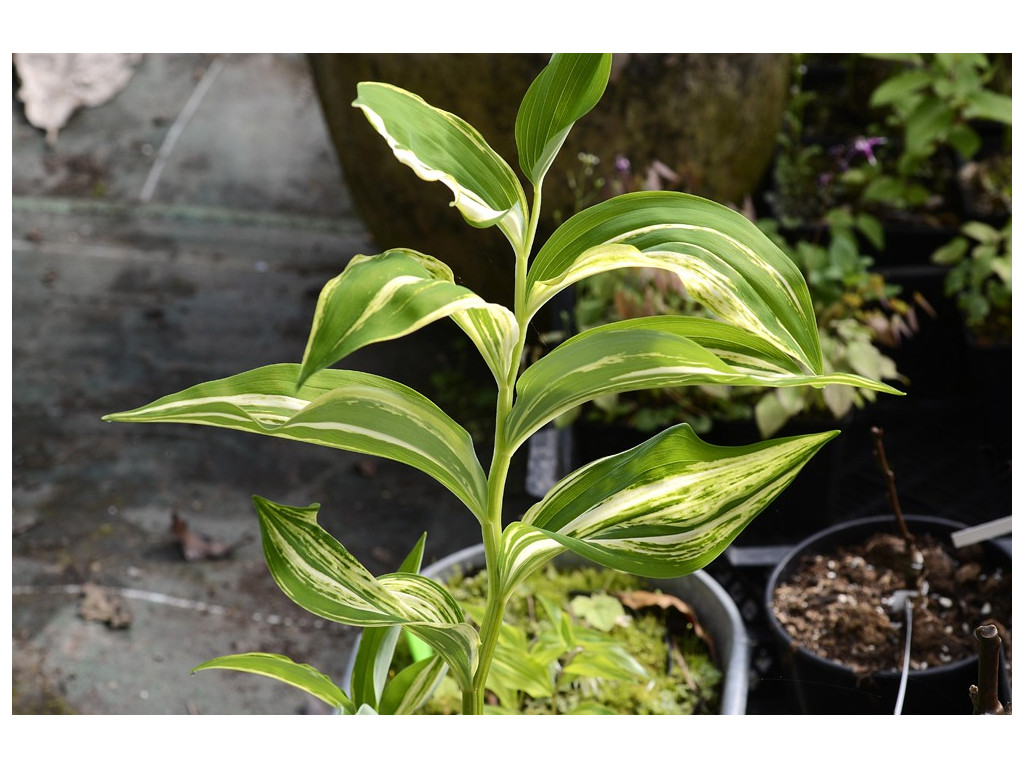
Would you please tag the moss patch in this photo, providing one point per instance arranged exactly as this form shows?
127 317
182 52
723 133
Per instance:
682 678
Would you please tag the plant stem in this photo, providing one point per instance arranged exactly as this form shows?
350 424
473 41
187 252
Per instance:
915 575
497 598
473 700
986 694
890 477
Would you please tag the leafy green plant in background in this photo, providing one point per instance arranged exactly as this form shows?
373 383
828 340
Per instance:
664 508
933 100
981 263
858 315
929 126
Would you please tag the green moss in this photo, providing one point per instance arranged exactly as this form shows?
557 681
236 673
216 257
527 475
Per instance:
682 677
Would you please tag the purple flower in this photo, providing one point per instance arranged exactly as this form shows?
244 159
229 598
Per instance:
866 146
622 164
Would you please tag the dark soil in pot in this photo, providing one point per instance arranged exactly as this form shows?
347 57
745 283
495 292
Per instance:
829 604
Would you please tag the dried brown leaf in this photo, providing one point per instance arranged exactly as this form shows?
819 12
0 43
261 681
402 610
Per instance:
195 546
104 605
639 599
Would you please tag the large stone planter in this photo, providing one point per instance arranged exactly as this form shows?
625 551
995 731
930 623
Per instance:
712 118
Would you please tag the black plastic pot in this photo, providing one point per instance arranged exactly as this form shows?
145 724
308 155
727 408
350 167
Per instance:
821 686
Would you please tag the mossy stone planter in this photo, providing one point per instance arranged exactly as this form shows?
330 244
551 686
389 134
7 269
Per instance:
712 118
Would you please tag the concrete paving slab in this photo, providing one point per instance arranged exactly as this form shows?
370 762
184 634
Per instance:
255 141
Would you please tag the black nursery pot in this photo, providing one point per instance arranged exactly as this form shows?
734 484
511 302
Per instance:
823 687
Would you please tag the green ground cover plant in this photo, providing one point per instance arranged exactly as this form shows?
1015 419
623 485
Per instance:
663 509
614 646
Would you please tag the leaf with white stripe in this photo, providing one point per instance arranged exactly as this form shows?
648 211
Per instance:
350 410
376 647
315 571
439 146
412 686
376 298
653 352
277 667
566 89
663 509
725 262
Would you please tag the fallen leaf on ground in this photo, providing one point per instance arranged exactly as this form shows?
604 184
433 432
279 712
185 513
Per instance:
104 605
195 546
54 85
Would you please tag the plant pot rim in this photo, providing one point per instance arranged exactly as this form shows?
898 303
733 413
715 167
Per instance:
809 545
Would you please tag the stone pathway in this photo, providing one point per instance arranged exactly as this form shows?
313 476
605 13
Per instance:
128 284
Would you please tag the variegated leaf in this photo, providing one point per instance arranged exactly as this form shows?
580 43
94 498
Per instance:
439 146
663 509
351 410
411 687
653 352
315 571
524 549
724 261
272 665
565 90
392 294
376 646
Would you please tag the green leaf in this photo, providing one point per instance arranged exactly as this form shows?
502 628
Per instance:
320 575
377 646
982 232
412 686
770 414
838 400
899 87
439 146
927 124
350 410
871 228
964 139
514 669
663 509
653 352
393 294
301 676
606 661
725 262
988 105
600 611
567 88
952 252
885 189
1003 268
592 708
